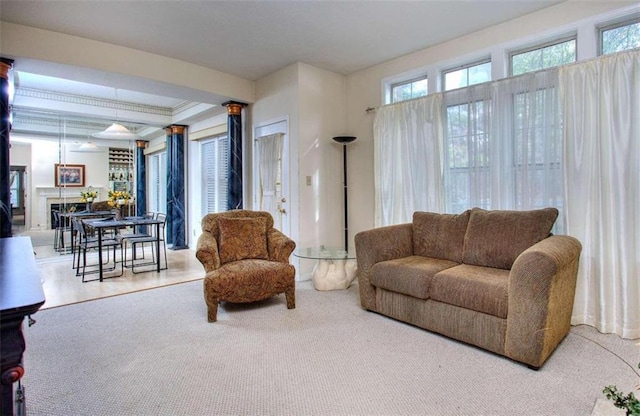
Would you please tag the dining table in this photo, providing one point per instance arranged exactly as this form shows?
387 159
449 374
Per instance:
81 215
100 225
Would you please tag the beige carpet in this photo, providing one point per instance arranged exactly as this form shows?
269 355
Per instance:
154 353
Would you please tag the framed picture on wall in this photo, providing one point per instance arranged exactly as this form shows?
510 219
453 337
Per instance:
69 175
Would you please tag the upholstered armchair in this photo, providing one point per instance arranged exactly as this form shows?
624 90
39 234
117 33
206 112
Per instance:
245 259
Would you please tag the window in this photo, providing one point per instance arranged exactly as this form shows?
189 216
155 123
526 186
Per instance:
472 74
545 56
619 37
467 155
503 146
157 183
407 90
214 154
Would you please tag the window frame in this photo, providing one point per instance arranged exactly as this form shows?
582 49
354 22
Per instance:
393 85
214 140
157 195
537 46
471 64
614 24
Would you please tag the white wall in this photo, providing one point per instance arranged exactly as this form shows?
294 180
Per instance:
40 164
322 105
365 88
313 101
146 72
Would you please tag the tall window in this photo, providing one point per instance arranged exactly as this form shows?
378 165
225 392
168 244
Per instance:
406 90
215 155
543 56
471 74
157 183
467 155
503 147
620 37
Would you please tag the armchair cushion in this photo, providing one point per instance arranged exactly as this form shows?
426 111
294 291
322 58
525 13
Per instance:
496 238
242 238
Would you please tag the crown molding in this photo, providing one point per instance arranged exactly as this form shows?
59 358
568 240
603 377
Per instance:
92 101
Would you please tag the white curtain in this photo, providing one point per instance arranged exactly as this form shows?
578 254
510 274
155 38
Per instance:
270 157
601 107
408 154
503 147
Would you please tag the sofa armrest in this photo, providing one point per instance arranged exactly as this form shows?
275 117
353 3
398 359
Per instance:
279 246
374 246
542 285
207 252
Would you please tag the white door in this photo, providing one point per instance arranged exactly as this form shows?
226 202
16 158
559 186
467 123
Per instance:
271 172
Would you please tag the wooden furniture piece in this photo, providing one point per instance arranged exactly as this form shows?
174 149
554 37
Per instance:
21 295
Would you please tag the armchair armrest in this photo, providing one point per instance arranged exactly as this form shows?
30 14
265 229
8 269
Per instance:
542 285
376 245
279 246
207 252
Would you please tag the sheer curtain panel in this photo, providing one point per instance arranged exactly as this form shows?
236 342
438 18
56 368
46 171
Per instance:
503 145
270 155
601 108
407 156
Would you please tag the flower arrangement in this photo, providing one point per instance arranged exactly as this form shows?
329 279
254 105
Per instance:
118 198
88 196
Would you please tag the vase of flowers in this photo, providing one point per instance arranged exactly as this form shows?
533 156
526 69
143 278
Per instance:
116 200
89 196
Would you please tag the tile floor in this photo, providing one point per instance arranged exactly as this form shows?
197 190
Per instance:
61 285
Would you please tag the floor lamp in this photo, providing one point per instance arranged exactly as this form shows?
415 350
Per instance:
345 140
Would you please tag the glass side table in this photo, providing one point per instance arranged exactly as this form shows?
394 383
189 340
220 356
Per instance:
335 269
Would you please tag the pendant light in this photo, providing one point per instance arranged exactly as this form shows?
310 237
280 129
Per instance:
116 131
88 147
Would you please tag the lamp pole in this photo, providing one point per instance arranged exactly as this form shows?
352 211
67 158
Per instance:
344 140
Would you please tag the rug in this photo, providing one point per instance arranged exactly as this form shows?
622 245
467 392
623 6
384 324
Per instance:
154 353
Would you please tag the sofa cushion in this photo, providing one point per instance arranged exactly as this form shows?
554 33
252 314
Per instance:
482 289
440 236
496 238
408 275
243 238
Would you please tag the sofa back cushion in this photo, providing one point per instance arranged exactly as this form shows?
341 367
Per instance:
496 238
440 236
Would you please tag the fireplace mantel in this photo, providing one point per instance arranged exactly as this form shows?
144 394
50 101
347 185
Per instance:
47 195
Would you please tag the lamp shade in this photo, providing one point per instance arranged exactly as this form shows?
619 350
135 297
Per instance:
344 139
87 148
116 131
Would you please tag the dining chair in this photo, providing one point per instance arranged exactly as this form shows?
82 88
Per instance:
85 243
148 235
60 226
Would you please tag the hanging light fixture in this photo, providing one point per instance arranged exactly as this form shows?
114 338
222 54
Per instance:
116 131
88 147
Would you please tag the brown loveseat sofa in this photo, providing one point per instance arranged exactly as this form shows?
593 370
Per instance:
495 279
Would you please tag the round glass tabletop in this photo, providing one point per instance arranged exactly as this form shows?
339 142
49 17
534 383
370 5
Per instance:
323 252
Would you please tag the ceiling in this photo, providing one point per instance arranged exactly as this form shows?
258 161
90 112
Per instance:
252 39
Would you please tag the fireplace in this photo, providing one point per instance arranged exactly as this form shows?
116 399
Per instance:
64 207
57 198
